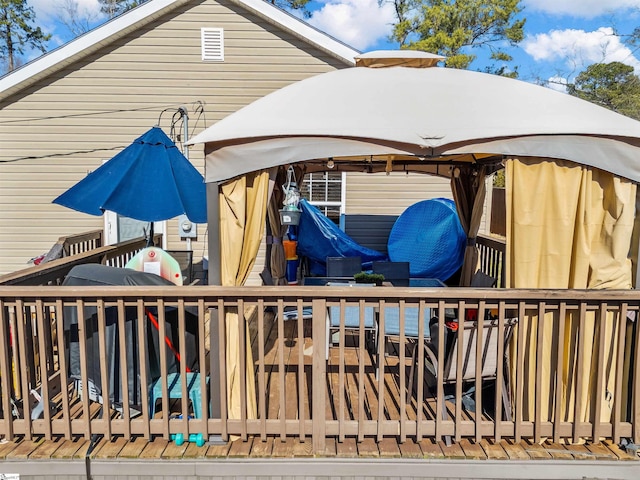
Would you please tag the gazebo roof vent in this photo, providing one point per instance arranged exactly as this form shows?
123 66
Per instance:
398 58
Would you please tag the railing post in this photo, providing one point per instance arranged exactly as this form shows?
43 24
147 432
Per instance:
215 377
319 374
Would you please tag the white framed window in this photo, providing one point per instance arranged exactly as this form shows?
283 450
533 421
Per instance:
327 191
212 42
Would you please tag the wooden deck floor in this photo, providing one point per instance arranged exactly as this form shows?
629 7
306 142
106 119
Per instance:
139 448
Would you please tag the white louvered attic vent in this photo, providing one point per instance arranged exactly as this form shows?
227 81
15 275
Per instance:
212 40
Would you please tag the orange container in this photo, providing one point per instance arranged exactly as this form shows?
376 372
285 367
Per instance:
290 249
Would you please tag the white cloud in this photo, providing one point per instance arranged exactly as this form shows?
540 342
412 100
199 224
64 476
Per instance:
50 9
579 49
557 83
580 8
359 23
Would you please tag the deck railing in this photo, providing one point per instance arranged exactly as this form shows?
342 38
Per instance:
80 243
54 272
492 257
60 342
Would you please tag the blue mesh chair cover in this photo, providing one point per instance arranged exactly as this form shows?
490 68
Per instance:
430 237
411 318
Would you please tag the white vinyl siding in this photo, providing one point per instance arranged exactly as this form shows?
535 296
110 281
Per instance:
382 194
391 194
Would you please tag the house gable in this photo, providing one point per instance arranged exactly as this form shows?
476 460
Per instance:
71 118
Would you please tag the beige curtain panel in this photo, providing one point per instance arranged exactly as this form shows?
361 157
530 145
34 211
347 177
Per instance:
243 205
568 226
469 191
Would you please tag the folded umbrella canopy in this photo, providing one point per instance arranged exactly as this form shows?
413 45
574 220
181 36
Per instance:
150 180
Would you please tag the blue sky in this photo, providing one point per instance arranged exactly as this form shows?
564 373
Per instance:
563 37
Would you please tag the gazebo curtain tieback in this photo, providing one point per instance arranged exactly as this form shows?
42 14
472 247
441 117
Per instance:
271 240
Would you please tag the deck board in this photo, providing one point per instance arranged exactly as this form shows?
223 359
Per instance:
430 448
303 449
515 451
68 449
45 450
111 449
218 451
23 450
472 450
133 448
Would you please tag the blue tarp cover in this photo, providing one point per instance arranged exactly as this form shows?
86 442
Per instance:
430 237
319 238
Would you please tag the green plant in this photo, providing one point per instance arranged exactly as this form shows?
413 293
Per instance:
365 277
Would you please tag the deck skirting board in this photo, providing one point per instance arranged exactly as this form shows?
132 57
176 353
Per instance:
324 468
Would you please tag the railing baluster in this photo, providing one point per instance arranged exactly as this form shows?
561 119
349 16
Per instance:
478 377
84 377
600 327
104 372
380 366
518 405
341 379
124 368
220 323
559 358
577 411
164 371
540 350
142 323
441 408
319 376
242 367
301 372
617 395
202 366
635 412
462 313
184 395
281 373
262 390
44 369
6 375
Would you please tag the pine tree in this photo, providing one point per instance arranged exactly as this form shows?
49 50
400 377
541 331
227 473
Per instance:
115 7
17 31
454 28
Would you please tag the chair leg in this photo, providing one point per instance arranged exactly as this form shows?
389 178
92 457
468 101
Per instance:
447 438
328 332
412 372
506 398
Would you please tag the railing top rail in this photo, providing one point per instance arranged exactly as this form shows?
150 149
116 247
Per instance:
81 237
309 293
492 241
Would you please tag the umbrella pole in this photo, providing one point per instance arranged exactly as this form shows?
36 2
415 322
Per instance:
150 239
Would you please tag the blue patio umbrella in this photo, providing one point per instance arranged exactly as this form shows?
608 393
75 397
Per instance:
150 180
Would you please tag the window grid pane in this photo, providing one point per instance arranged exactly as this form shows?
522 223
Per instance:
324 190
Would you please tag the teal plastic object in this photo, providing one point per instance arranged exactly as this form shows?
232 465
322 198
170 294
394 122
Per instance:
196 438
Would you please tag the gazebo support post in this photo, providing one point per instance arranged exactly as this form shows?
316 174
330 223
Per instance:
213 247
